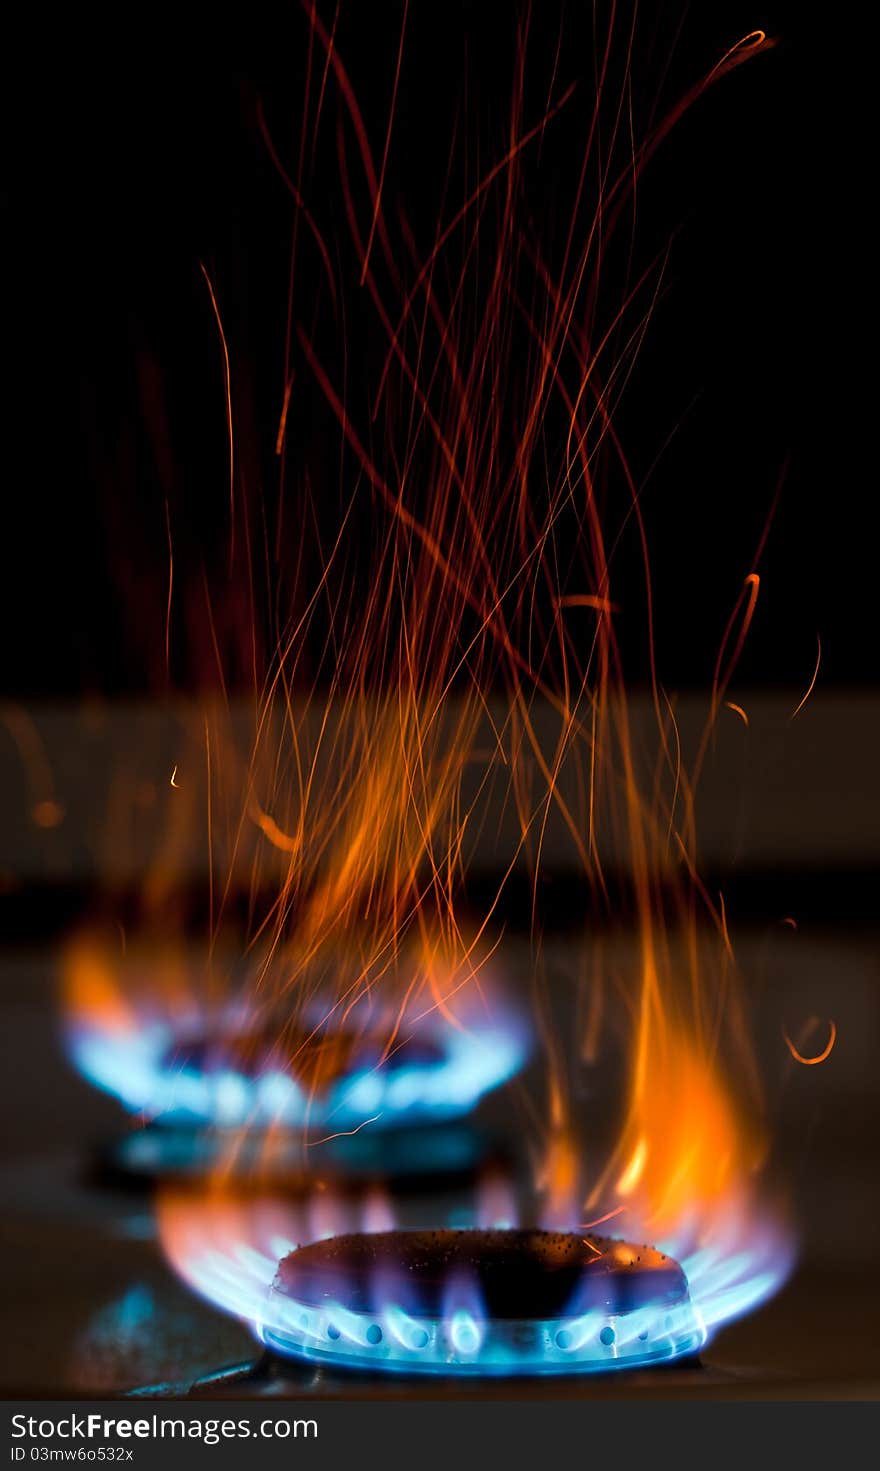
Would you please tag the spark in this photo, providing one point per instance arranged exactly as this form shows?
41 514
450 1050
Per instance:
812 683
279 442
228 378
725 663
820 1056
792 923
738 710
343 1133
377 202
174 782
743 48
276 835
600 1220
748 597
588 600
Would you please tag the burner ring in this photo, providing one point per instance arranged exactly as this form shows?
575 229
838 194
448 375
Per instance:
476 1302
232 1078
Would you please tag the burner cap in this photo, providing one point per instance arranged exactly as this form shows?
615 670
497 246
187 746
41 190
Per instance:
477 1301
516 1274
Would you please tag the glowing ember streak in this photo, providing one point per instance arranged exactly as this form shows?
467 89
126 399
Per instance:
738 710
283 841
282 424
745 605
812 685
601 1220
228 386
174 781
343 1133
588 600
820 1056
751 42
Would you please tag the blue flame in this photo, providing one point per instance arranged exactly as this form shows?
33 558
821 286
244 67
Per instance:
465 1335
728 1275
464 1345
139 1069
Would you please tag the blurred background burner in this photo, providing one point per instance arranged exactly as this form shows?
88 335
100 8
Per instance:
319 1078
481 1302
294 1075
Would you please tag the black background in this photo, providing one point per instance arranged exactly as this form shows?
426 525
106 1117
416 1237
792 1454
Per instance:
132 153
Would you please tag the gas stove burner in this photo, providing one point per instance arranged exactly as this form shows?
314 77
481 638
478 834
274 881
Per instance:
478 1302
311 1078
